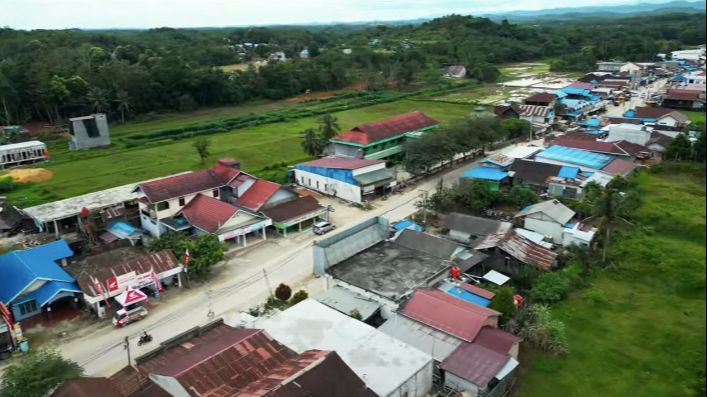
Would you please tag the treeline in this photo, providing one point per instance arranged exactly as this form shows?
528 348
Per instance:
52 75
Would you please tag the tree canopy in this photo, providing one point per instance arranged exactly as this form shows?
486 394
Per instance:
37 373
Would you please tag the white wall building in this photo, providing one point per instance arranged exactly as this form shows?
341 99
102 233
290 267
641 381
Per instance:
347 178
547 218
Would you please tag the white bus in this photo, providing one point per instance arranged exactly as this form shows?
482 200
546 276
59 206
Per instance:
22 153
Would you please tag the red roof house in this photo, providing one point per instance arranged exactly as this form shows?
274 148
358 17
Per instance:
619 167
193 182
208 213
475 363
448 314
367 134
258 195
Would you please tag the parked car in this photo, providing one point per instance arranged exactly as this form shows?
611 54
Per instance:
323 227
124 317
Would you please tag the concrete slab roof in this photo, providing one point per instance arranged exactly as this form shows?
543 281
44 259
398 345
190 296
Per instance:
389 270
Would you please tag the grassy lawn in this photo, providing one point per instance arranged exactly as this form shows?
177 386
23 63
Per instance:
257 147
648 339
696 116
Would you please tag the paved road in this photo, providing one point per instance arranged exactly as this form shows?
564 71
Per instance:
241 285
657 87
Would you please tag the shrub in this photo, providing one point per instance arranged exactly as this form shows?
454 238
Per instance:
541 330
298 297
6 184
503 303
356 314
596 296
283 292
550 288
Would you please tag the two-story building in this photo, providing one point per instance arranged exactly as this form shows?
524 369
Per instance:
224 201
380 139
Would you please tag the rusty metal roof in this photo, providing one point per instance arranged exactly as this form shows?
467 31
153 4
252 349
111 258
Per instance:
219 175
474 363
208 213
158 262
526 251
292 209
87 387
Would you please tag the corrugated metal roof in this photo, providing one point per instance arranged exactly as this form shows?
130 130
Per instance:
568 172
383 175
447 313
497 340
293 209
475 363
158 262
582 158
431 341
486 173
365 134
590 145
533 172
87 387
541 97
527 251
534 111
341 163
192 182
383 362
257 195
19 269
475 225
552 208
619 167
208 213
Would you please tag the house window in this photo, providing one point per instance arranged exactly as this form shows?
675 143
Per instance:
27 307
163 206
317 185
215 193
182 201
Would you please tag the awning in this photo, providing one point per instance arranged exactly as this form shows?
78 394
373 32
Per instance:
130 296
377 178
496 277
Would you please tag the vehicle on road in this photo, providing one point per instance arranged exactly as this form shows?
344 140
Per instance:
323 227
144 338
126 316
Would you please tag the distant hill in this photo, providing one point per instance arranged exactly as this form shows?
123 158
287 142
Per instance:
603 11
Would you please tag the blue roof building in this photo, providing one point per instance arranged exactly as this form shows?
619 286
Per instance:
493 175
31 279
568 172
573 157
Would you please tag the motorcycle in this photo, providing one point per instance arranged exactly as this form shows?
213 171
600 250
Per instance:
144 338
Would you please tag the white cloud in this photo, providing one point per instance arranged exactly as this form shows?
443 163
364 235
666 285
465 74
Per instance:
57 14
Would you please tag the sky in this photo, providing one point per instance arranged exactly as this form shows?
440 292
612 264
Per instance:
103 14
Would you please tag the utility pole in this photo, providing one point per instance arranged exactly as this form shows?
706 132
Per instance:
126 346
267 282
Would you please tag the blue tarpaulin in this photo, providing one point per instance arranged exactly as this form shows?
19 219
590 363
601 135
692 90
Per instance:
407 224
568 172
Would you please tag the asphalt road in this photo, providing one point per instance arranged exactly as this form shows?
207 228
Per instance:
240 286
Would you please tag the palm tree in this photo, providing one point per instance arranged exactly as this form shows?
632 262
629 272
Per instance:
610 209
97 99
311 143
122 100
328 126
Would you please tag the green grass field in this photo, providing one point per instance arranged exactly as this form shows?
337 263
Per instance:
257 147
649 338
696 116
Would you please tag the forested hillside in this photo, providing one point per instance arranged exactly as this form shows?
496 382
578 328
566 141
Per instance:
52 75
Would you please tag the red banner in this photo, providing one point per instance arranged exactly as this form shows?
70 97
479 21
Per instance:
158 283
112 284
186 259
99 289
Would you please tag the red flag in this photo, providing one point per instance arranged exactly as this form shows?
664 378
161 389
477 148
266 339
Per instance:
158 283
186 259
99 288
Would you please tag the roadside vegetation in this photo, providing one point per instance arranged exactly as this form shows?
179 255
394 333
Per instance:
636 324
37 373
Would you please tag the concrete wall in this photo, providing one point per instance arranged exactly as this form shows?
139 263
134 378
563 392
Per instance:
328 186
627 134
419 385
81 139
545 227
457 383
